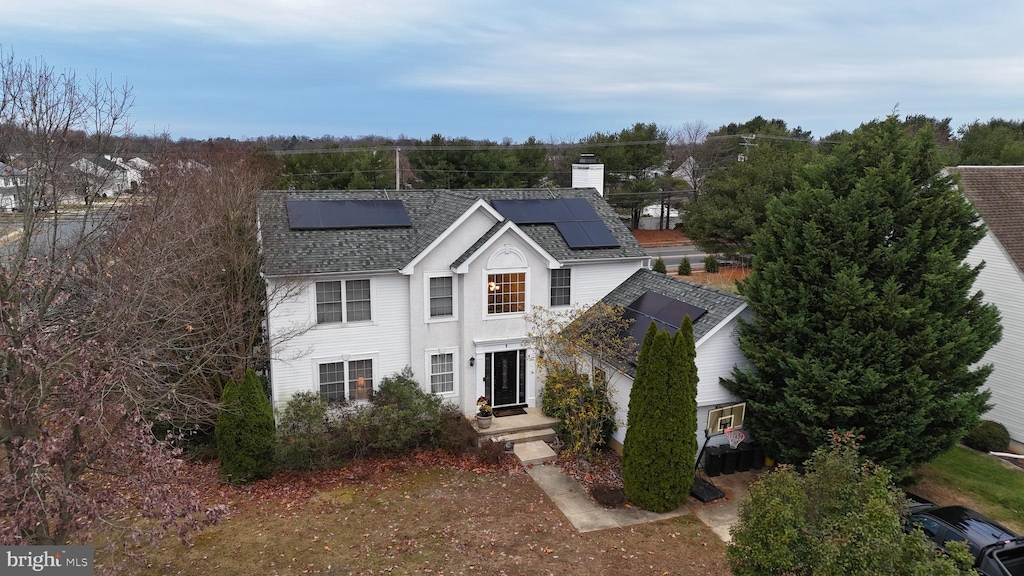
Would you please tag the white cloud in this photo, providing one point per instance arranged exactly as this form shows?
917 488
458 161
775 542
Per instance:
300 21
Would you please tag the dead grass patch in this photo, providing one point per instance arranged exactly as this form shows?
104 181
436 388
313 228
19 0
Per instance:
420 518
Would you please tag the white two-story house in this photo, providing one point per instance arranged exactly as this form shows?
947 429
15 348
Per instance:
361 284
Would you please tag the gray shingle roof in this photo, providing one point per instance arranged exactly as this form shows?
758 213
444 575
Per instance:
431 212
719 305
997 193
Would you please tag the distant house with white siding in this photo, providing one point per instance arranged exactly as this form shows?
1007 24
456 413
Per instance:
361 284
11 181
997 193
649 296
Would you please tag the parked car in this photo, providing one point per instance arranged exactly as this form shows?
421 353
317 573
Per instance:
997 550
37 206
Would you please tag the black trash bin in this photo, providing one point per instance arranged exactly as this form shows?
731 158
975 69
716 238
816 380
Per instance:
730 457
713 461
745 458
758 462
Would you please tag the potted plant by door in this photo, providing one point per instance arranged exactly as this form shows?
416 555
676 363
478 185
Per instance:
484 413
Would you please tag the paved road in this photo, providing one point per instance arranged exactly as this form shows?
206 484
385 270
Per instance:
70 227
673 255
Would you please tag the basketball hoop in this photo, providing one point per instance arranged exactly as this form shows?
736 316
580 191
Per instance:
734 437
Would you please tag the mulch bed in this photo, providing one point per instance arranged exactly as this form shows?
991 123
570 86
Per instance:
605 469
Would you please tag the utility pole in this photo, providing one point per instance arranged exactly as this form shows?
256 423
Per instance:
398 170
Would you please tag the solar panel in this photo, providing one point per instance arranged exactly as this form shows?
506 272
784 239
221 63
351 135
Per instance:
575 219
586 235
346 214
581 209
600 236
668 312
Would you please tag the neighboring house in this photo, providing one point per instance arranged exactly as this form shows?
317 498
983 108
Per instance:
997 193
11 180
361 284
108 176
650 296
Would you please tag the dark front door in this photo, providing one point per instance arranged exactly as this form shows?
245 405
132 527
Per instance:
505 378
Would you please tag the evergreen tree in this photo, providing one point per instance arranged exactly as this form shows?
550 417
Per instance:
657 459
683 405
864 316
684 267
245 432
659 265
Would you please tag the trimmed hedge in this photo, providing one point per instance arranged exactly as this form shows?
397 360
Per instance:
989 436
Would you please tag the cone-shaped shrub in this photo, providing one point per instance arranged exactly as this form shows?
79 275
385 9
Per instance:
245 432
648 473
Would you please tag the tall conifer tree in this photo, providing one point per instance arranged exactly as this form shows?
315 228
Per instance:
864 314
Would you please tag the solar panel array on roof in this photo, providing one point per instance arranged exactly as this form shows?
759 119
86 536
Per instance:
666 312
346 214
575 219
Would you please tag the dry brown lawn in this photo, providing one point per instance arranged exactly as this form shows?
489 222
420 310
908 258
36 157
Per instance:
418 518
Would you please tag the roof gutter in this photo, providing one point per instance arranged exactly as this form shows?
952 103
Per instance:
322 274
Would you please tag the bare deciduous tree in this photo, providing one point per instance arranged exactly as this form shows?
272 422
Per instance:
76 439
694 155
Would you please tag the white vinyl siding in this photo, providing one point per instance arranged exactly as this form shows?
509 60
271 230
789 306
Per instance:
1002 284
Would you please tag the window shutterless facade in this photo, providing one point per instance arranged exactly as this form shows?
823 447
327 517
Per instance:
442 373
351 381
506 293
560 287
343 301
441 297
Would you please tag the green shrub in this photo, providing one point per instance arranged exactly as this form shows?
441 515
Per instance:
401 417
710 264
684 267
304 439
989 436
586 414
659 265
245 432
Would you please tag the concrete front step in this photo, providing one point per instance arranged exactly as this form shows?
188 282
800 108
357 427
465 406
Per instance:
534 452
542 434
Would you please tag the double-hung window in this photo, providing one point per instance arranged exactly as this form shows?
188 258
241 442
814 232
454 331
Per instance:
442 373
560 284
343 301
350 381
441 297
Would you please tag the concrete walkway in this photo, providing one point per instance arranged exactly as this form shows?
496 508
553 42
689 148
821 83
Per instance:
721 514
586 515
581 511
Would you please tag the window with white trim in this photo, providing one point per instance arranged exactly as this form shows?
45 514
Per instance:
560 284
441 297
506 293
442 373
357 300
343 301
347 381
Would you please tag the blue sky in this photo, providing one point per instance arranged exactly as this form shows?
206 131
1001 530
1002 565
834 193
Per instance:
562 70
